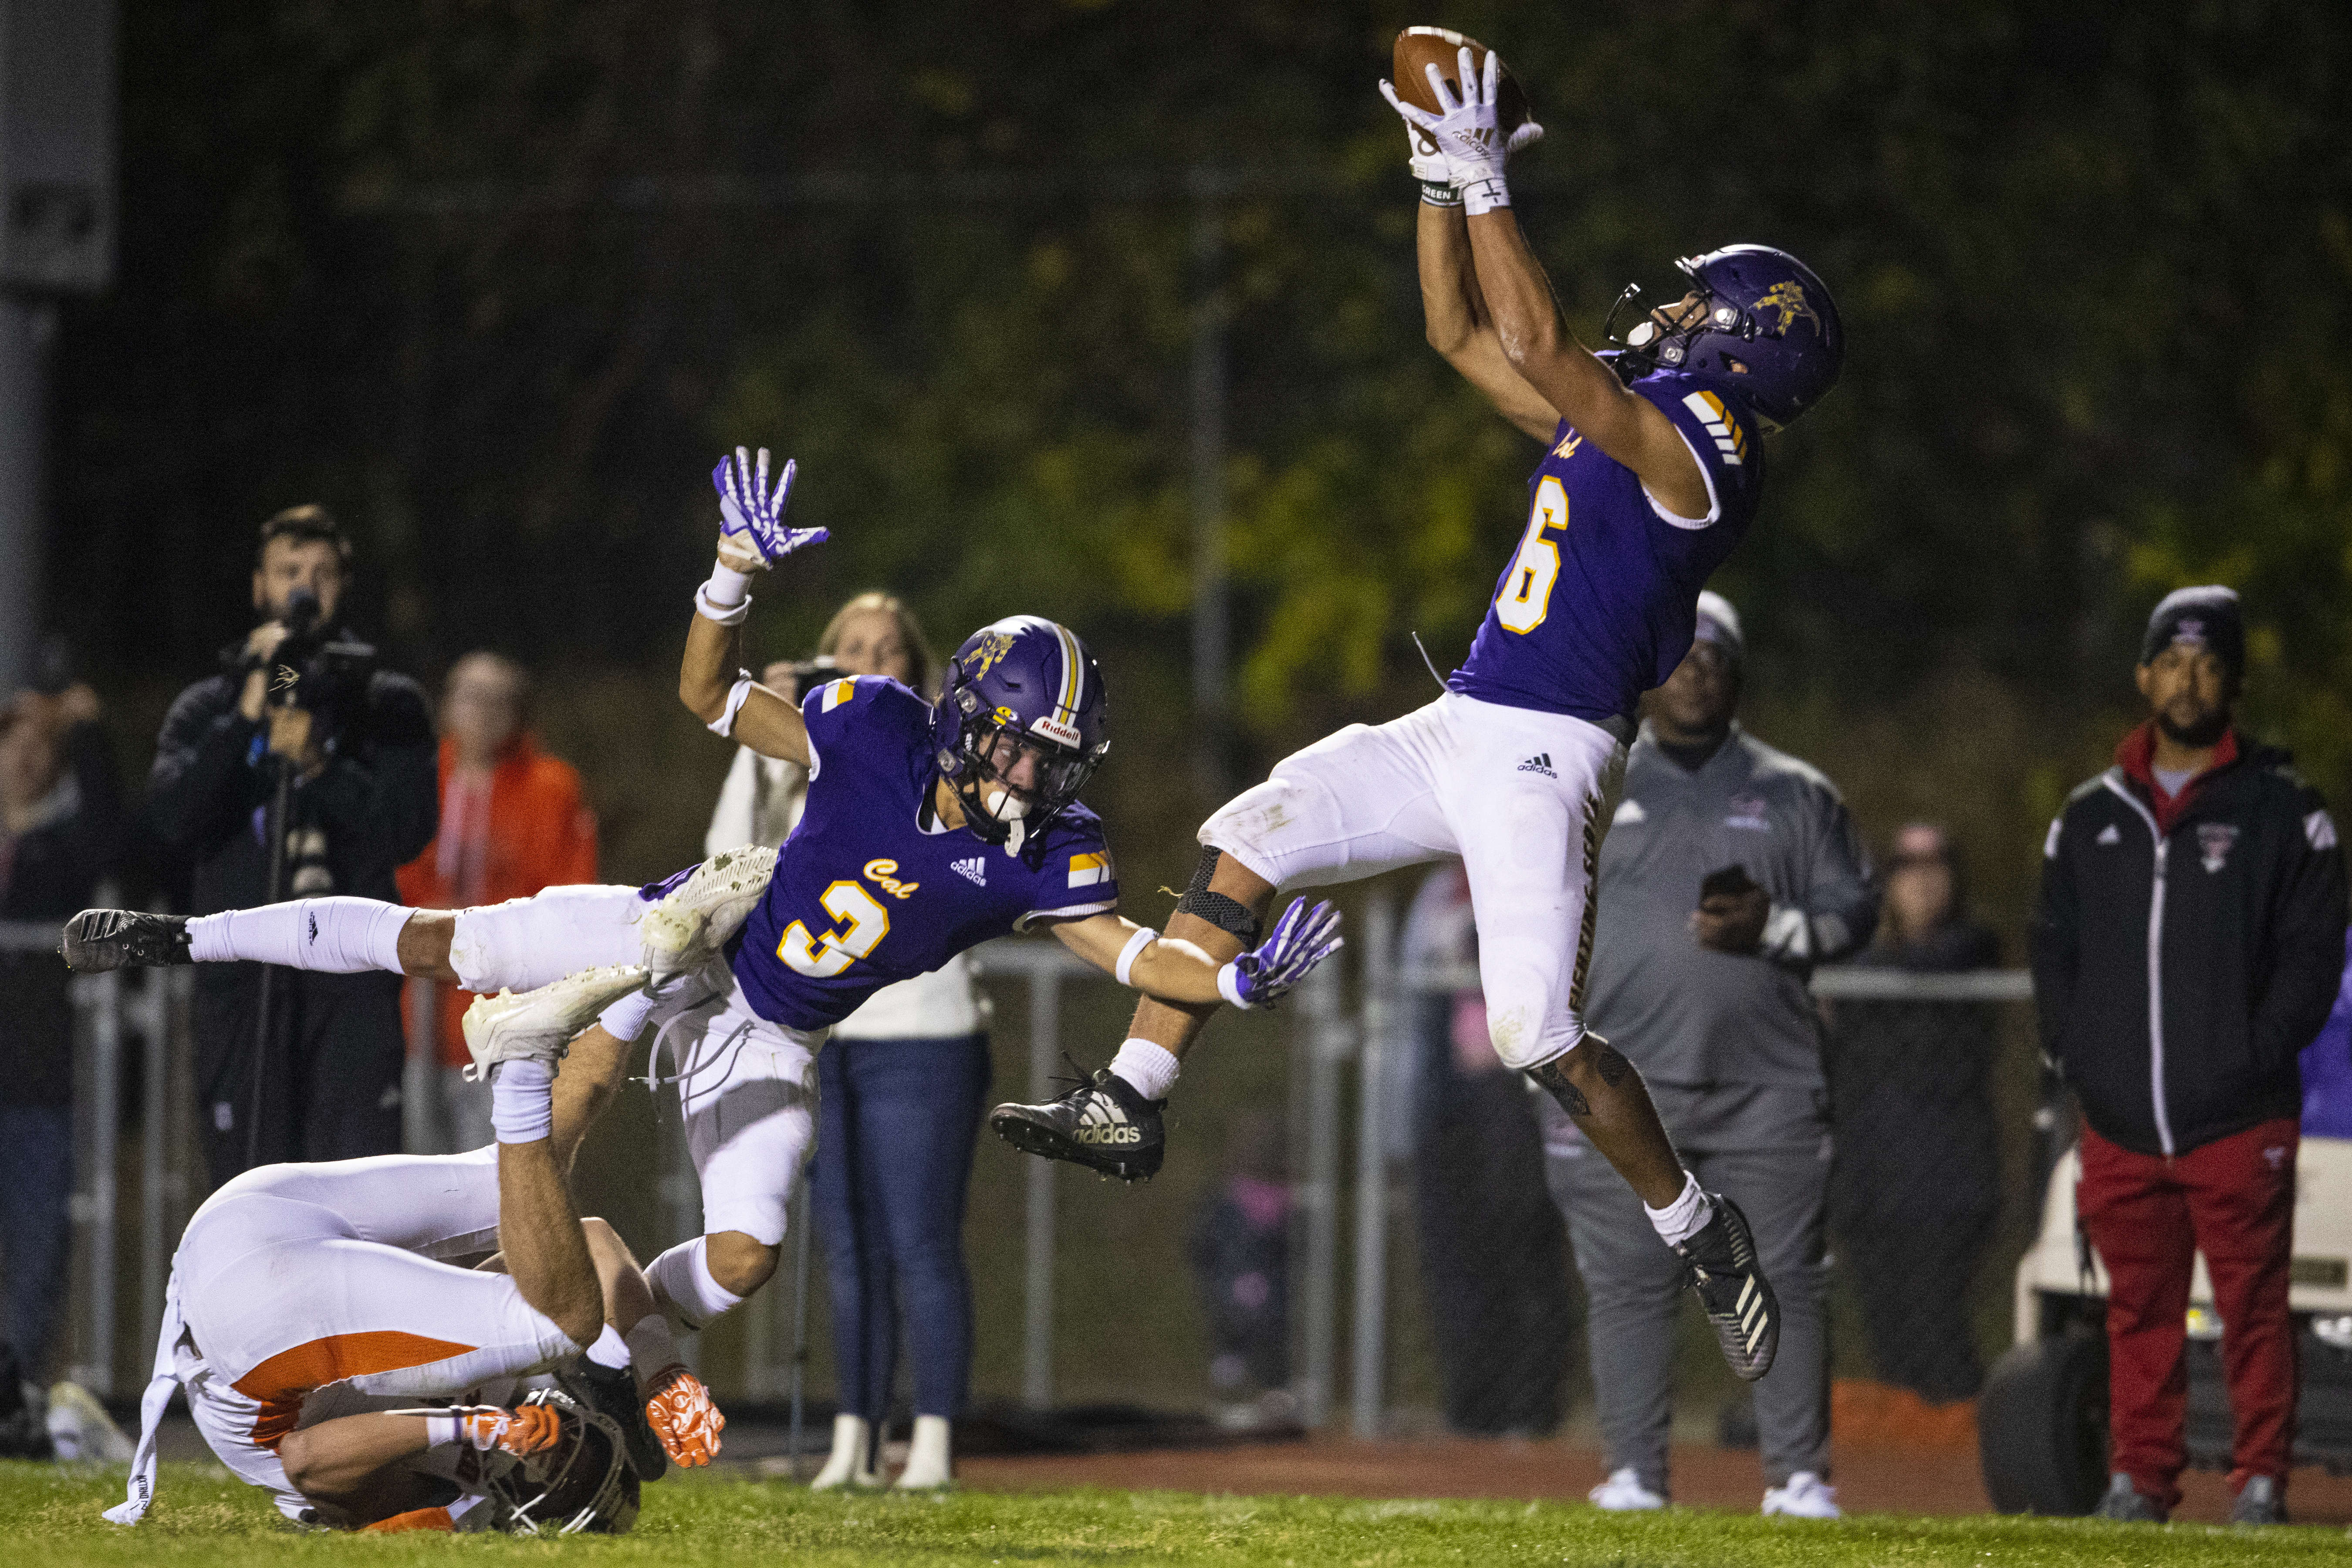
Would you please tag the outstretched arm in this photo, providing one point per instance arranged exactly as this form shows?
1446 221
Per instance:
751 538
1459 327
1172 970
1534 343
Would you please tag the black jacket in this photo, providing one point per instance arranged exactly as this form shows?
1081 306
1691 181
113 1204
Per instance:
2178 973
377 802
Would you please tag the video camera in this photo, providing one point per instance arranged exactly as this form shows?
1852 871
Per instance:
312 668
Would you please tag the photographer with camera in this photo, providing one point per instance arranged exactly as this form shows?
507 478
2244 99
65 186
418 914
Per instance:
300 769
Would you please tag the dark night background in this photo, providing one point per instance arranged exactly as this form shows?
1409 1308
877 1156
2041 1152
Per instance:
497 282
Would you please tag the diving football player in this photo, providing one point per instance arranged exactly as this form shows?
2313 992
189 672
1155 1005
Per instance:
928 830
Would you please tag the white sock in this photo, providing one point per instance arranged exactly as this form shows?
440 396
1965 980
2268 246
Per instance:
1682 1219
610 1352
326 936
1150 1069
523 1100
651 1348
626 1019
683 1287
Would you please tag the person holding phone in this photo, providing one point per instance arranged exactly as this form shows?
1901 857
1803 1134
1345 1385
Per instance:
1730 871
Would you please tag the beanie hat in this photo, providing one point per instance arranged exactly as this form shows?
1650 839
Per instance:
2208 616
1718 623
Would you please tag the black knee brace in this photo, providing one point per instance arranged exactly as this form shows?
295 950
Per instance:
1228 915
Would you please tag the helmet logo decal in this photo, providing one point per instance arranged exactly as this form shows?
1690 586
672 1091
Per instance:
1060 734
993 646
1789 299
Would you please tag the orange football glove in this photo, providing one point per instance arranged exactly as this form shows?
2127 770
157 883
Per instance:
518 1432
680 1412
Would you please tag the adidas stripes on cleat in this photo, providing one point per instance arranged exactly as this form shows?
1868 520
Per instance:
1721 1259
99 940
1104 1123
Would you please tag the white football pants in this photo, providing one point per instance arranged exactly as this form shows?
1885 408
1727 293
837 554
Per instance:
311 1292
1522 796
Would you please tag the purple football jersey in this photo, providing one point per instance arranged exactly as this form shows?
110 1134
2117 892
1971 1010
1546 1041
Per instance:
1600 600
863 894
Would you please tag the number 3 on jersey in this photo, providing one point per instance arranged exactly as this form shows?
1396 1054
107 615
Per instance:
865 924
1527 593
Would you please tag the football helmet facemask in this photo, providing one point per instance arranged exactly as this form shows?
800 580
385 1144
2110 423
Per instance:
582 1483
1021 689
1765 330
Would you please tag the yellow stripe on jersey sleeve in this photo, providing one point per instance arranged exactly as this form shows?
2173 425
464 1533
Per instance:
1730 440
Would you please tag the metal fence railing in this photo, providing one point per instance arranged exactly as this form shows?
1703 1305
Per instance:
1348 1034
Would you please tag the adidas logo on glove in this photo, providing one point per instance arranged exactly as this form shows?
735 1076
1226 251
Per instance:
974 870
1538 763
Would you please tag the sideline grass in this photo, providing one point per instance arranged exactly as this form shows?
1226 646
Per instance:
48 1517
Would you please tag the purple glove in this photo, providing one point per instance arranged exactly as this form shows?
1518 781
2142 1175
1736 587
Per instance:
1300 940
754 530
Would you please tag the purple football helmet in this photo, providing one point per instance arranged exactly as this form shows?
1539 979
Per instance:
1768 330
1030 681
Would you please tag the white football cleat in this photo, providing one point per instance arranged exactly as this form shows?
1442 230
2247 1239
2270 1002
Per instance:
1806 1496
541 1024
688 926
1623 1492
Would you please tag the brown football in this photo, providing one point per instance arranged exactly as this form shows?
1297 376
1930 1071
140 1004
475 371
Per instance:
1442 47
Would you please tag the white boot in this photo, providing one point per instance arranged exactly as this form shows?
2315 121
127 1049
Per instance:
929 1468
851 1462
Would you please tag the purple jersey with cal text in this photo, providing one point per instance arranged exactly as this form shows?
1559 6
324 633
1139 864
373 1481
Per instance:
1600 600
864 895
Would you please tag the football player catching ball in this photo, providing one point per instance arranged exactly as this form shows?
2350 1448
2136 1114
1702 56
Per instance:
1652 471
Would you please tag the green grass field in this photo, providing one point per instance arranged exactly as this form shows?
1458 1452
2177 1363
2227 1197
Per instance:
48 1516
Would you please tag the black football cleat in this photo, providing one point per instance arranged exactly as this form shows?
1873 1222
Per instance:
97 940
1721 1259
1103 1123
614 1392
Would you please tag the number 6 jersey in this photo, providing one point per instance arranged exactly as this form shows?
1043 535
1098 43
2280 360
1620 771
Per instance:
1600 602
870 889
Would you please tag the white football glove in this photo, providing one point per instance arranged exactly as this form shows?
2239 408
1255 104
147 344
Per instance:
1466 133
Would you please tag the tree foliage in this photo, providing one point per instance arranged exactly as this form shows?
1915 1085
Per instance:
498 279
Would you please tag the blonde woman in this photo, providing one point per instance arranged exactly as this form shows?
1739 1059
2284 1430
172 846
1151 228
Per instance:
907 1074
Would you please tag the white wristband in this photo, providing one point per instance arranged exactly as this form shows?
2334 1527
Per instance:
725 615
1143 939
1229 986
725 723
1483 195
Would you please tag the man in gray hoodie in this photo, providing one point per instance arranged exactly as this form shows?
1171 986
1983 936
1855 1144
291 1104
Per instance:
1729 872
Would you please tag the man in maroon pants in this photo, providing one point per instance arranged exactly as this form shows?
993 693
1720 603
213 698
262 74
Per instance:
2188 944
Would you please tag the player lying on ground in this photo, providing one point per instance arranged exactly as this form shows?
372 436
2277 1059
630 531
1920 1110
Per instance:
926 832
1650 477
334 1357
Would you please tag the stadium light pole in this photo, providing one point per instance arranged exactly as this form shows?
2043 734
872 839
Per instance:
57 237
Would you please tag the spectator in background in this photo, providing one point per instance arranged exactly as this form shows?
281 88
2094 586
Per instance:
1494 1253
1731 869
1241 1262
60 818
901 1084
360 741
513 822
2188 943
1916 1185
